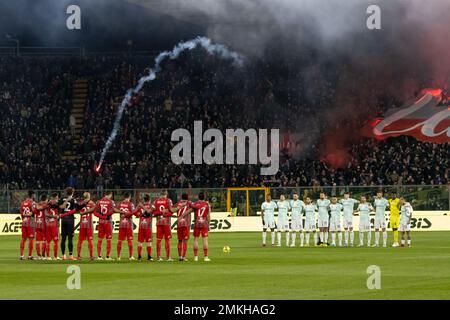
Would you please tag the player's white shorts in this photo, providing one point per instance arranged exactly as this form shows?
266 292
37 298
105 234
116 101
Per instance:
310 225
347 223
282 224
404 227
296 224
269 223
323 223
380 223
364 225
335 226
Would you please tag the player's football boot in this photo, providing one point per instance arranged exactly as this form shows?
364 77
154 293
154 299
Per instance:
31 258
292 245
109 259
132 258
159 259
279 245
99 258
57 258
72 258
409 245
91 259
119 258
333 245
263 245
196 258
169 259
375 245
395 245
21 258
360 245
64 257
185 259
49 259
149 258
206 259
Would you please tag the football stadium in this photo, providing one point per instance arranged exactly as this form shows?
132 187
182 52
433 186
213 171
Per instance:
224 150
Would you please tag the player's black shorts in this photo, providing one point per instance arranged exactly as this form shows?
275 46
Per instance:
67 228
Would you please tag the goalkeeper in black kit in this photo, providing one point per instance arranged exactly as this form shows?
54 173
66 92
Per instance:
68 203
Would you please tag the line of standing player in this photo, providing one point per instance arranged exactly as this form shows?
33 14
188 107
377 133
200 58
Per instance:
327 215
42 221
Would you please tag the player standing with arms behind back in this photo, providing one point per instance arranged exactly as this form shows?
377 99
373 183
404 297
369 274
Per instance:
202 218
268 219
126 226
163 206
296 218
394 217
380 203
348 205
364 209
324 219
145 227
405 221
310 220
283 220
335 221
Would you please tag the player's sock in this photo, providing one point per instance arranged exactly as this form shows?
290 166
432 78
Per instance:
333 237
70 245
352 237
99 248
38 248
340 238
195 251
167 246
409 242
130 247
321 236
294 235
139 250
326 237
30 247
384 238
79 244
346 237
377 238
108 247
273 237
44 248
403 242
264 236
302 237
149 250
315 238
179 248
287 238
369 237
307 236
22 246
279 238
91 249
184 249
396 236
361 238
119 248
55 248
158 248
205 252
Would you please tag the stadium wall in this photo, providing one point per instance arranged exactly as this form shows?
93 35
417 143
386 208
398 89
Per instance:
10 224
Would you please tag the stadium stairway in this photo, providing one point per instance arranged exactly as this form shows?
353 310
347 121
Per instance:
79 96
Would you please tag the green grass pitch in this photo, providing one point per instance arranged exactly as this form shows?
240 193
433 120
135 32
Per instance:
248 272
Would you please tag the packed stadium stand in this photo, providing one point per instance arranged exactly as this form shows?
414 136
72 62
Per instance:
57 113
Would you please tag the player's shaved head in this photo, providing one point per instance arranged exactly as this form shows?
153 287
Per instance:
185 196
164 193
43 197
31 193
54 195
146 197
127 195
201 196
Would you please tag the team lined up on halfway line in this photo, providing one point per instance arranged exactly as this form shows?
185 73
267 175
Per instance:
41 221
327 216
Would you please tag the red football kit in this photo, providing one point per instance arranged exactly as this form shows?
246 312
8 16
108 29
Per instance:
39 222
104 210
26 213
27 208
163 224
126 220
184 223
86 229
52 221
201 218
145 223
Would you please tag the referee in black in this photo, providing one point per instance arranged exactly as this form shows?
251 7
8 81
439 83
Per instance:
68 203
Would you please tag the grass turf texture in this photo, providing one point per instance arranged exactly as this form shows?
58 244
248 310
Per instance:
249 272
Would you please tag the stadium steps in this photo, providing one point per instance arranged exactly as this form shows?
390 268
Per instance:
79 97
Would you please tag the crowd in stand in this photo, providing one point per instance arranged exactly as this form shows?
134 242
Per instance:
35 103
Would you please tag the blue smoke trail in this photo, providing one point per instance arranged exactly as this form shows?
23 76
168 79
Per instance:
213 49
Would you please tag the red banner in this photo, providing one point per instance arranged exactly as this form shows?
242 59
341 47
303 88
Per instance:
425 120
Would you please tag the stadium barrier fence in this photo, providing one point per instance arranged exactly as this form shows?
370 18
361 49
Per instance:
247 201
